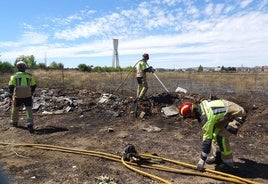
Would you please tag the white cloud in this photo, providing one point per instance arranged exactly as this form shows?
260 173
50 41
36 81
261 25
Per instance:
27 26
27 39
80 16
228 9
209 9
33 38
245 3
193 11
200 35
218 9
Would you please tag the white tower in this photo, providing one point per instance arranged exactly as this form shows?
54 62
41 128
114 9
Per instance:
115 56
45 59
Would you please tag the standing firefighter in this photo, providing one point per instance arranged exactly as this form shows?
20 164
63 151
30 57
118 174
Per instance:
141 69
220 119
21 86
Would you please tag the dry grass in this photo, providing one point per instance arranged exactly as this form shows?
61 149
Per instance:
194 82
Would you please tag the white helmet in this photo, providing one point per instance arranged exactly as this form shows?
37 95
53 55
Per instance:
21 65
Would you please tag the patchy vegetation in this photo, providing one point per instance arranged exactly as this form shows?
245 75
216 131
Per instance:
104 122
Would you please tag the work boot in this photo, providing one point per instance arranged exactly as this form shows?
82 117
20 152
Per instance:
30 127
227 168
215 159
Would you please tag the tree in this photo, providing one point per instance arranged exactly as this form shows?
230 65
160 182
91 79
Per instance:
6 67
42 65
98 69
228 69
84 68
56 65
53 64
200 68
60 65
29 60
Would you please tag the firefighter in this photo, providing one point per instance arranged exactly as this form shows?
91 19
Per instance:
141 70
22 86
219 119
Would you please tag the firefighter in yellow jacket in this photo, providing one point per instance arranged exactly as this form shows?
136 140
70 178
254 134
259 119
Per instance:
22 86
220 119
141 70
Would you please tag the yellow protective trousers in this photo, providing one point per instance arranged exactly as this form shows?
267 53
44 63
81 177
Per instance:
221 135
142 87
221 143
17 104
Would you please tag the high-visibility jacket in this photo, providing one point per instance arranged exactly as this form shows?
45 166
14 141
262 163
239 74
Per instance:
212 112
140 67
22 85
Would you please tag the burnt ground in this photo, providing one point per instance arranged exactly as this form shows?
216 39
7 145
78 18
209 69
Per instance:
77 119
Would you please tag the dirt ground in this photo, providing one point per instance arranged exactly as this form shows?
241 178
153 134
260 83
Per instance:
109 126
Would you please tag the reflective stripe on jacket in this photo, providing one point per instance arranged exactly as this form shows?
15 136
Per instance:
214 112
22 82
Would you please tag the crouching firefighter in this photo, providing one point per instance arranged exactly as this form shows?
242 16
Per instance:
219 119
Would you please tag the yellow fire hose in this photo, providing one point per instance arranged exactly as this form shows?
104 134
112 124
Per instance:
132 69
144 173
234 179
208 172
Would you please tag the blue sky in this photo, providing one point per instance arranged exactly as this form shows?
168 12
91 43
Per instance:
176 33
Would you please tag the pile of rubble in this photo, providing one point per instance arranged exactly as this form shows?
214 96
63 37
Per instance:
60 101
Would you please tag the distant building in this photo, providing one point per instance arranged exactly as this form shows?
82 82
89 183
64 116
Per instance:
217 69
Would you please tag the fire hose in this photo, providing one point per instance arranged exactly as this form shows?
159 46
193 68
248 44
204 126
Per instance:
151 165
162 84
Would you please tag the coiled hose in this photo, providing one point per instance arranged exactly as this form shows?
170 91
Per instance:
151 165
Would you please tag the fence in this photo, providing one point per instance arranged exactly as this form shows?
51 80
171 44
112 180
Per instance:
250 84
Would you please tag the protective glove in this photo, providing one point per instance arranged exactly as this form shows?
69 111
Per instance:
151 69
200 165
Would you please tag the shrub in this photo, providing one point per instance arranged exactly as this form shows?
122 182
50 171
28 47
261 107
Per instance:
6 67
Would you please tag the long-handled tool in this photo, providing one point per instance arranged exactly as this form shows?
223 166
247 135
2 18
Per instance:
161 82
179 89
158 79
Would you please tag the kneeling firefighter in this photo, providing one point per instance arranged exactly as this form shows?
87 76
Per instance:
220 119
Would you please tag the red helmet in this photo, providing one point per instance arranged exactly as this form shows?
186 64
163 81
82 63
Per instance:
145 56
186 109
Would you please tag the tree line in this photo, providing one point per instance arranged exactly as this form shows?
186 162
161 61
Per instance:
31 63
